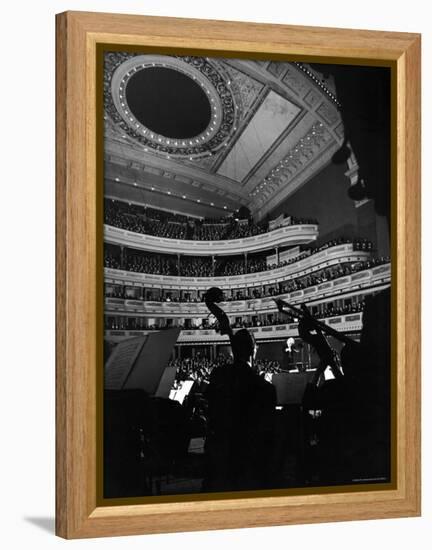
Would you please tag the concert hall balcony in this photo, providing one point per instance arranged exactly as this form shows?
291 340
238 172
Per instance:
327 258
351 323
170 233
284 236
374 278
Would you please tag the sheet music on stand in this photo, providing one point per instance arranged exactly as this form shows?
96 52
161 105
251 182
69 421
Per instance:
121 362
139 362
182 391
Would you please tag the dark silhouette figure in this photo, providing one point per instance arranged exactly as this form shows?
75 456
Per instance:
369 376
241 407
144 437
353 431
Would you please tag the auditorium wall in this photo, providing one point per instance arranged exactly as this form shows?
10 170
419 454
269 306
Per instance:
325 198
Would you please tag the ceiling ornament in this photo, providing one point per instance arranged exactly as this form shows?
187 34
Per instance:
121 66
303 151
321 83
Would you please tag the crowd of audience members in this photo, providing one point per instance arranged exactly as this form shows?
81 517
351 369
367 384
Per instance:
139 323
196 368
245 294
329 274
331 311
358 244
159 223
193 266
199 368
140 263
112 260
189 266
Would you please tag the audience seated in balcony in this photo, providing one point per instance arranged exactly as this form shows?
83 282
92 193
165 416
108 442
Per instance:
203 267
144 262
169 225
196 267
324 311
150 263
111 260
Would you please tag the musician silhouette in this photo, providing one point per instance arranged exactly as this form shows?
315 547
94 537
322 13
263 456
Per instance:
241 407
354 430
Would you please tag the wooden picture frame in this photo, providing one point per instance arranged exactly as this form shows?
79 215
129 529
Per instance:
79 300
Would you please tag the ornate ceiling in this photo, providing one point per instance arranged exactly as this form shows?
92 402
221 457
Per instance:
262 129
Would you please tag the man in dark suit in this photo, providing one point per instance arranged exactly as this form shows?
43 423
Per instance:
241 407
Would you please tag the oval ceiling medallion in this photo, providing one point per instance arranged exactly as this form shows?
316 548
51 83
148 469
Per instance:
179 106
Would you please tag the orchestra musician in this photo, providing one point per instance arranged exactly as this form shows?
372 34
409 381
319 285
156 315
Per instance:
241 407
354 403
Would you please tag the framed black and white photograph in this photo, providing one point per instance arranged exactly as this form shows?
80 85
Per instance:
245 230
246 264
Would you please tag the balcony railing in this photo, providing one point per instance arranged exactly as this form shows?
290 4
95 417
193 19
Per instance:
343 323
320 260
290 235
377 277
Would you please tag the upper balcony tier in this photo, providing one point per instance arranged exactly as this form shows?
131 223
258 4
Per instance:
289 235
